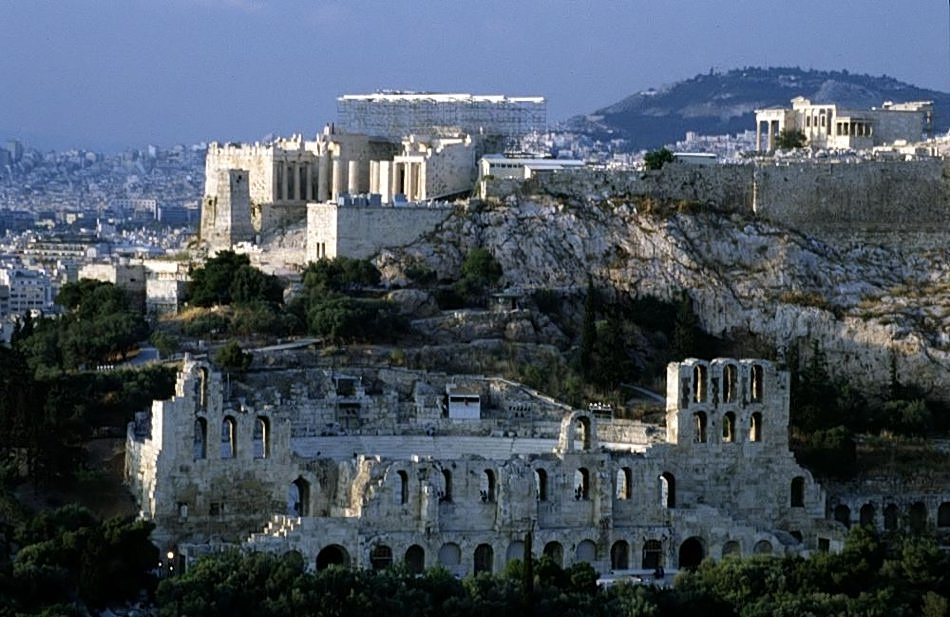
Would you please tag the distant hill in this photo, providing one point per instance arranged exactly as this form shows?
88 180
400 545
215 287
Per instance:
724 103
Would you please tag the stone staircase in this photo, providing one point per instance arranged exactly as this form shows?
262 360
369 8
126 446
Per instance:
275 533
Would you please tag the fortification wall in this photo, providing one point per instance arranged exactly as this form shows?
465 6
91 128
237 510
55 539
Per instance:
883 202
724 186
879 198
360 232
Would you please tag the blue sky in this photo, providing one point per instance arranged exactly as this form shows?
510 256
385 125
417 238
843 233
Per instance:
117 73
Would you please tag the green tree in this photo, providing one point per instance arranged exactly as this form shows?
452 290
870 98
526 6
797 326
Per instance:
789 139
656 159
340 274
229 278
232 358
480 272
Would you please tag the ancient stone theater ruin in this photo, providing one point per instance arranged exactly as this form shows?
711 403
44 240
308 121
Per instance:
368 467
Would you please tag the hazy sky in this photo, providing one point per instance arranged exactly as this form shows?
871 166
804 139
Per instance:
114 73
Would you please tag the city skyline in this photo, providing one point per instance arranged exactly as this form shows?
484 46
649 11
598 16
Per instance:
185 71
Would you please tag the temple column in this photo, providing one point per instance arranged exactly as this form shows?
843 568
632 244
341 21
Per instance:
352 177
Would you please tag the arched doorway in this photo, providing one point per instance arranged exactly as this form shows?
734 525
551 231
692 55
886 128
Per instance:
732 548
691 553
333 555
381 557
620 555
555 551
515 551
652 555
762 547
298 498
867 515
484 558
917 517
843 515
415 559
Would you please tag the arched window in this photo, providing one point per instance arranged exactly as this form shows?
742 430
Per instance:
762 547
652 555
262 437
729 380
729 427
586 551
624 483
866 516
699 383
667 490
943 515
843 515
620 555
731 549
699 422
381 557
917 517
333 555
202 388
403 496
201 439
541 484
691 553
891 518
228 437
584 432
798 492
450 555
484 558
555 551
446 494
582 484
415 559
757 383
487 489
755 427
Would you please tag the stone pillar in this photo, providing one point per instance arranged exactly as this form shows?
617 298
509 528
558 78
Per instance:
384 188
323 179
374 176
423 193
284 180
337 180
352 177
758 136
408 186
309 180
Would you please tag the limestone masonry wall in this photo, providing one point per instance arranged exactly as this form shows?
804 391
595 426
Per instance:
367 468
884 201
360 232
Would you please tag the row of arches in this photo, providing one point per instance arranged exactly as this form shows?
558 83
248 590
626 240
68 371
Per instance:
730 429
582 486
652 555
729 386
228 447
917 517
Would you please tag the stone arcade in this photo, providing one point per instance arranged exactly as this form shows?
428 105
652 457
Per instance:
370 468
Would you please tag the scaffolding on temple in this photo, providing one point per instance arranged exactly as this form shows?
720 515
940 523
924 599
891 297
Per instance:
394 115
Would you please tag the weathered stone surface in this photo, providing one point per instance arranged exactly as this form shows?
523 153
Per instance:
414 302
864 304
339 463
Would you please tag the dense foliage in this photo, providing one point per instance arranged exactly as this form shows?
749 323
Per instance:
55 561
656 159
907 577
333 304
229 278
789 139
100 327
44 421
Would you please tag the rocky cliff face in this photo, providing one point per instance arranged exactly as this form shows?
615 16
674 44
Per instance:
863 305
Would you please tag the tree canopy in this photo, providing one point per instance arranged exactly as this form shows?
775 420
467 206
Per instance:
656 159
228 278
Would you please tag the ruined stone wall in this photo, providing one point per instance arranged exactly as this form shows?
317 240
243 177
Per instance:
360 232
206 471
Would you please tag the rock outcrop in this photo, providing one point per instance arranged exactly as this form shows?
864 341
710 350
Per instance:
866 306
